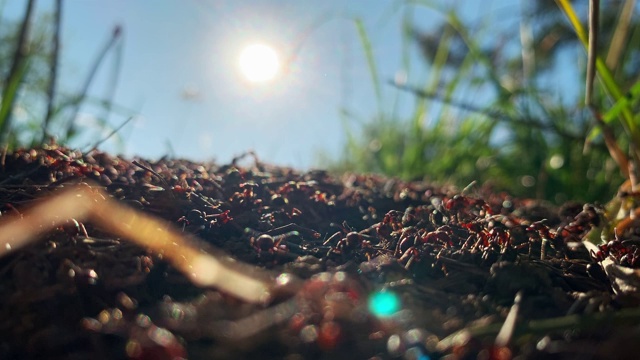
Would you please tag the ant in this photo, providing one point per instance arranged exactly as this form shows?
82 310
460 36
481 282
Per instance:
441 235
350 242
409 256
247 195
545 236
74 228
411 237
414 243
270 245
391 222
462 207
408 239
625 253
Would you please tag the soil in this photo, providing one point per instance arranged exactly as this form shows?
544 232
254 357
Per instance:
475 274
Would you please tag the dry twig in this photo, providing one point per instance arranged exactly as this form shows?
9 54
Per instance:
91 203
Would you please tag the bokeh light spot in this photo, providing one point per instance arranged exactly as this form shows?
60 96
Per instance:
416 353
384 303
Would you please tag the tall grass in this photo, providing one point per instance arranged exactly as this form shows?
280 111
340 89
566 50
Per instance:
16 73
31 82
525 139
53 66
623 106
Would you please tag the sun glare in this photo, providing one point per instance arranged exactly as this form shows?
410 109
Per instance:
259 63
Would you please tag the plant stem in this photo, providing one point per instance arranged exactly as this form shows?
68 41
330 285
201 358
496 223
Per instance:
592 50
94 69
54 69
15 75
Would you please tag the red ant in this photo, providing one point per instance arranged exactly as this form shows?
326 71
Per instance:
411 255
461 206
412 237
442 235
198 220
631 258
247 196
623 254
275 245
408 239
394 219
544 235
412 242
322 197
297 191
541 229
70 165
349 243
74 228
500 236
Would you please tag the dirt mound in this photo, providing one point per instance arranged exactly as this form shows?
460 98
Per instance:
366 267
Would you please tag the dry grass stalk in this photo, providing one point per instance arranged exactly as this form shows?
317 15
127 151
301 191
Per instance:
91 203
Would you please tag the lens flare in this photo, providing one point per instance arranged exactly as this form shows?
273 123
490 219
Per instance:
384 303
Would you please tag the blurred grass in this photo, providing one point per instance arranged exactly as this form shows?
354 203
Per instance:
611 87
16 73
480 113
524 139
30 53
371 61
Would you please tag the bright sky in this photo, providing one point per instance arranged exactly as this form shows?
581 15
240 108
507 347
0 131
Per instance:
180 70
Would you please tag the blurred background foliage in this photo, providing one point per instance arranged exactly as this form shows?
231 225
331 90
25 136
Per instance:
482 112
32 110
523 138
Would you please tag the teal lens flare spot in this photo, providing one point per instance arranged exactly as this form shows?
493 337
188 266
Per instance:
384 303
416 353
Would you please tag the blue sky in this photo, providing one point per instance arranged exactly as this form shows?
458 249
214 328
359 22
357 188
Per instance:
177 47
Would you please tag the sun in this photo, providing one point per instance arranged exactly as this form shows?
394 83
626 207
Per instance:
259 63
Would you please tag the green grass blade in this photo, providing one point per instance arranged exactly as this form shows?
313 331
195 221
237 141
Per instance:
17 71
407 23
476 51
53 69
606 77
593 134
9 95
629 101
619 38
626 102
592 50
406 28
435 76
419 135
371 61
113 80
115 35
